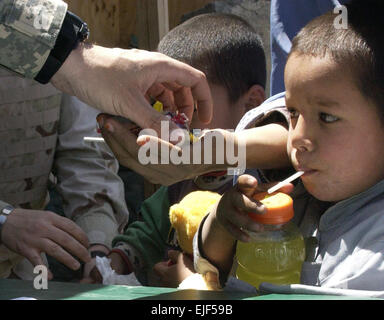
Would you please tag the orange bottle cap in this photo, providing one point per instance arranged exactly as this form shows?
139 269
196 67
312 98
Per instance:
279 208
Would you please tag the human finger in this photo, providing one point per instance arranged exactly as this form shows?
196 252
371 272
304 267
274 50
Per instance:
233 213
247 185
185 102
245 204
160 93
70 236
162 150
183 99
117 133
57 251
147 117
34 257
181 74
237 232
126 146
132 161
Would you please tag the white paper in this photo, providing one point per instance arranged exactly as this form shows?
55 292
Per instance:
109 275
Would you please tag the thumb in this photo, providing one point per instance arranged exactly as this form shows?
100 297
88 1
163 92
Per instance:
247 185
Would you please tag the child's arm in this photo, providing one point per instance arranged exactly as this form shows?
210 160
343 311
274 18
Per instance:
144 242
226 222
265 148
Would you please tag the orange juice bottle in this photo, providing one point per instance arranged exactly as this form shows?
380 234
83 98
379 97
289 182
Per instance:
276 253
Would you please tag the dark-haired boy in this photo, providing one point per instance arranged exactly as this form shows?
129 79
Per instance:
335 97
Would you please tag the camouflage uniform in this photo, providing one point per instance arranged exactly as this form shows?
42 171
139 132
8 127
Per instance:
41 132
28 32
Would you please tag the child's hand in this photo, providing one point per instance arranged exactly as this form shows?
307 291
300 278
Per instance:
228 221
233 208
172 272
117 264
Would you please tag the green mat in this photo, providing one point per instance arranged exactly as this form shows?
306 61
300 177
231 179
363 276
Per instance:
11 289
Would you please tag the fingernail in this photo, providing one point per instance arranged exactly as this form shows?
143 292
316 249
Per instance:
142 141
76 266
109 127
100 121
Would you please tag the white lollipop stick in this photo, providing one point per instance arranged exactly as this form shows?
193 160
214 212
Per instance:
93 139
282 183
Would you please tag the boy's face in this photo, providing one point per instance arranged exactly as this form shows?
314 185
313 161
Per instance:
226 115
335 134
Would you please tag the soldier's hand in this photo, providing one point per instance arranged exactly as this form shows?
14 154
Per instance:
120 82
31 232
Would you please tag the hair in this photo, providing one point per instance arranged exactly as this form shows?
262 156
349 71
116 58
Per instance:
359 48
223 46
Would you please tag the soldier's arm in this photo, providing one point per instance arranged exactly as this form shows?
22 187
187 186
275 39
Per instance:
28 32
40 39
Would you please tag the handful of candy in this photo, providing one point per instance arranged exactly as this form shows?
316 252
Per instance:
180 119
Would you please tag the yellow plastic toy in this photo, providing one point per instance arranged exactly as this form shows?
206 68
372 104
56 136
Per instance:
186 215
185 218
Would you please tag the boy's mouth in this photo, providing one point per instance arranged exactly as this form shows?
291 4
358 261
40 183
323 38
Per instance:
307 171
300 166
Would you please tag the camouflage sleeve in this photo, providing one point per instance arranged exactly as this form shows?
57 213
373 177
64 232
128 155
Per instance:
87 179
28 32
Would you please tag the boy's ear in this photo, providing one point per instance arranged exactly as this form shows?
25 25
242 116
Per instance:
254 97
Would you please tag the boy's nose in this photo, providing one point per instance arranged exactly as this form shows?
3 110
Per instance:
301 136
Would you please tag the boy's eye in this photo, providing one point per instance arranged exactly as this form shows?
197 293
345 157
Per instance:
328 118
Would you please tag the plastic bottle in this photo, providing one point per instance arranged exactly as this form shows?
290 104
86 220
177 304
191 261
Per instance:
275 254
